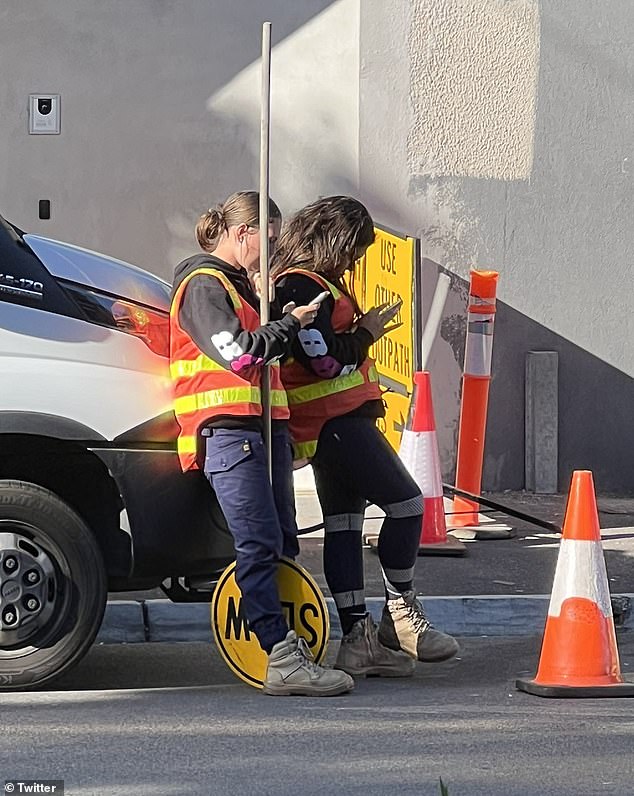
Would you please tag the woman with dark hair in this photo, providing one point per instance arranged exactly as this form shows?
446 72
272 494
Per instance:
334 400
217 351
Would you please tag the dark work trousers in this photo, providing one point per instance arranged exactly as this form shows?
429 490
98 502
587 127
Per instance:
354 463
260 516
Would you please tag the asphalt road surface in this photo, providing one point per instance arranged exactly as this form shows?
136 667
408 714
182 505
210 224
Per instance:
160 719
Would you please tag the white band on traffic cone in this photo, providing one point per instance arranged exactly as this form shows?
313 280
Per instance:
419 453
580 572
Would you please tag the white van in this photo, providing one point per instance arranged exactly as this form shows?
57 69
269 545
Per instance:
92 498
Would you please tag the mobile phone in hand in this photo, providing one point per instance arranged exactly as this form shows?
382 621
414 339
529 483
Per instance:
395 305
321 297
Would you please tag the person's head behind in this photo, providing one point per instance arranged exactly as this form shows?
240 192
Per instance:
326 236
231 230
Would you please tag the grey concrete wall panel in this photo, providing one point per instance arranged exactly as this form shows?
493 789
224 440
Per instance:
473 81
595 410
541 422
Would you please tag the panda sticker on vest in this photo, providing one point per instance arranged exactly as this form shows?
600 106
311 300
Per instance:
232 352
314 346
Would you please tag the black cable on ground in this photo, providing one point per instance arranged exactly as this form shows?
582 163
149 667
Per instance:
520 515
495 508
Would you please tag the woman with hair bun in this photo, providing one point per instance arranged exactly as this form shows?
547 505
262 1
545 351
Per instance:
334 400
217 352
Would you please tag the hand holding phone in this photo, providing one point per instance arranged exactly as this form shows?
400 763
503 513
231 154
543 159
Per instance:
391 308
375 320
307 314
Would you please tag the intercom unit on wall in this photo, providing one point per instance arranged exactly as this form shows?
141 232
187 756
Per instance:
44 114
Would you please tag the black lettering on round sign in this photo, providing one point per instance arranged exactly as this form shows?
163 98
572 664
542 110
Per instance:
304 608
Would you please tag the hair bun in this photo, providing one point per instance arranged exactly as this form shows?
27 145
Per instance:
216 213
210 227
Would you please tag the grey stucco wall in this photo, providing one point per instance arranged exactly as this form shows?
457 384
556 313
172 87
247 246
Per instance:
160 114
544 196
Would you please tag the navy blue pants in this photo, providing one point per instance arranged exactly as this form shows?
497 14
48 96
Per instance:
260 516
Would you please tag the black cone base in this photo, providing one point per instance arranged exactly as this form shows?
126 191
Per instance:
624 689
451 547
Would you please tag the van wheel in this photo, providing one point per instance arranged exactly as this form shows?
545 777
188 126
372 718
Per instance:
53 586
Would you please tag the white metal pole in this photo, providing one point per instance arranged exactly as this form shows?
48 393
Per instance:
265 127
434 317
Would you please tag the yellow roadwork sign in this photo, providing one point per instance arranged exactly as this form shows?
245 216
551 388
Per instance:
392 425
303 604
387 273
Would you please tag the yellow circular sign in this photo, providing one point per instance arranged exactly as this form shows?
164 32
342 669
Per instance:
304 607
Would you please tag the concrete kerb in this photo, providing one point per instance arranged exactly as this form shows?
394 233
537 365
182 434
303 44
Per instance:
131 622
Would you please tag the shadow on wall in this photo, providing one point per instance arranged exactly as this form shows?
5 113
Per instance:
595 399
595 410
305 160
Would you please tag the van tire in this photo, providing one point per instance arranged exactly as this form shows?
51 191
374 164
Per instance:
43 534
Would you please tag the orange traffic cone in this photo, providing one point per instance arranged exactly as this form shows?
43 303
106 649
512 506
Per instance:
419 453
579 655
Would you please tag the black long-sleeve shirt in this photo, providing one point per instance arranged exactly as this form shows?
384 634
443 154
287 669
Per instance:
207 314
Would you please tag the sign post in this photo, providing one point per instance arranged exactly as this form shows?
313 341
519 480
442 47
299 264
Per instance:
265 125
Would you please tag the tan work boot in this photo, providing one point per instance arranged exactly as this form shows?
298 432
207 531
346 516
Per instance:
292 670
404 626
362 654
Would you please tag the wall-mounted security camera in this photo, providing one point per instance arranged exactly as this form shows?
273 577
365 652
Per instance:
44 114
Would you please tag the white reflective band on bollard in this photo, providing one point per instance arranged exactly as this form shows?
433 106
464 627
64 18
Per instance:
479 345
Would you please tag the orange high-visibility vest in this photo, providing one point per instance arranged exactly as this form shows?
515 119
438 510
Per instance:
314 400
204 389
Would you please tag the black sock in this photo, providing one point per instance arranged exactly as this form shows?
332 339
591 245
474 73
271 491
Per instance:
401 588
348 616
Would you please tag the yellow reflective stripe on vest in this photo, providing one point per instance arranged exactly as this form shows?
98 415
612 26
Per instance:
189 367
321 389
304 450
278 398
336 293
225 396
187 445
233 293
212 398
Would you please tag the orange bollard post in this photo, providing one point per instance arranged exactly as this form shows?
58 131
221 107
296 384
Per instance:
474 402
419 453
579 655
